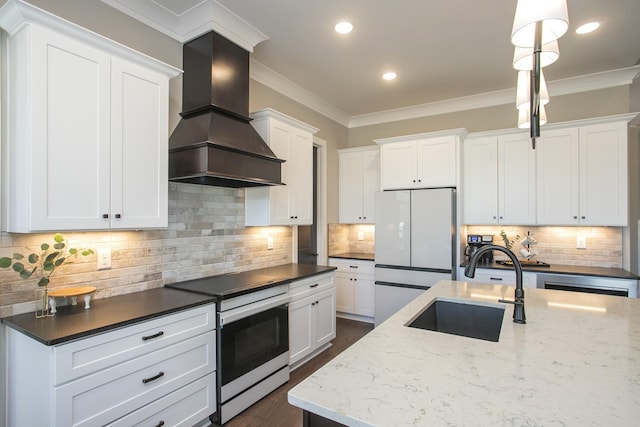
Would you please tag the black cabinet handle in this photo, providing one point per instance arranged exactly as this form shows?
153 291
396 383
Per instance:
575 217
314 285
353 266
105 216
150 337
584 217
153 378
160 424
495 278
118 216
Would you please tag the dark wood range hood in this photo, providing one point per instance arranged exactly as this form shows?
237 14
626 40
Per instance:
214 143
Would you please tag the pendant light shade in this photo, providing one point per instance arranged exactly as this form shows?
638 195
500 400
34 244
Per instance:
524 117
523 57
522 90
552 13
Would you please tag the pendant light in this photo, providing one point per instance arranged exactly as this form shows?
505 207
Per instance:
537 26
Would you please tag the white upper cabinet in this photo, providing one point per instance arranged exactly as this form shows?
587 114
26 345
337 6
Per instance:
558 187
498 180
516 180
582 175
577 175
359 179
292 203
87 130
420 161
480 180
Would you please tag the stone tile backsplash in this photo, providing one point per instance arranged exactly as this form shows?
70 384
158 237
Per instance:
344 238
557 245
206 236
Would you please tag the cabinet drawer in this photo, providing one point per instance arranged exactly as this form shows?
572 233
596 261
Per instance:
107 395
305 287
184 407
89 355
500 277
353 266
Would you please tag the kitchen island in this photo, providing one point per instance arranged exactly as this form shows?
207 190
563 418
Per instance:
575 362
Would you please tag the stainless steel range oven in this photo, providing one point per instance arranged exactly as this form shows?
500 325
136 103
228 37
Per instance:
253 349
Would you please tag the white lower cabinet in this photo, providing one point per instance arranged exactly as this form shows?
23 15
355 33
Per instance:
153 372
355 287
312 316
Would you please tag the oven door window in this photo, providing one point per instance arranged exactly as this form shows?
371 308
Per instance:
250 342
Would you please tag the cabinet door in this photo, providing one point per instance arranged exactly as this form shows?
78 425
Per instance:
436 162
370 184
516 180
480 181
344 292
69 177
557 177
138 147
603 174
398 166
281 142
351 184
325 317
301 178
301 341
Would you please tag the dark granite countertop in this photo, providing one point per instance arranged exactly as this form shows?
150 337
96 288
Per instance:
614 273
235 284
355 255
74 322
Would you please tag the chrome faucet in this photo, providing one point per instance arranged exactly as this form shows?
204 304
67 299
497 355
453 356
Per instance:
518 302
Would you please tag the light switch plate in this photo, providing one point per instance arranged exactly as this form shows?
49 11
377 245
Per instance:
581 242
269 243
360 235
104 259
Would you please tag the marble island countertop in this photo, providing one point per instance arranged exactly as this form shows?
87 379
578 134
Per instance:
575 362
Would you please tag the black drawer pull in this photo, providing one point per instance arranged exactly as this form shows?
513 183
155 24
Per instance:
118 216
153 378
314 285
495 278
150 337
105 216
353 266
160 424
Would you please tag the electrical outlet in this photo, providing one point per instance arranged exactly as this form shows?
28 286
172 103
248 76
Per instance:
269 242
360 235
581 242
104 259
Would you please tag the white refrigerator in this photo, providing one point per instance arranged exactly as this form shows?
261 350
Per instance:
416 235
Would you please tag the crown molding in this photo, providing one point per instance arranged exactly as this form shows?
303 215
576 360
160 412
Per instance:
277 82
17 14
585 83
205 16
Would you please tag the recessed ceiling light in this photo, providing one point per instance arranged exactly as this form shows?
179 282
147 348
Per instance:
344 27
389 75
588 27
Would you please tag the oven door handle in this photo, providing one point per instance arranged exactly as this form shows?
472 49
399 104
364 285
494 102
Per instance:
232 315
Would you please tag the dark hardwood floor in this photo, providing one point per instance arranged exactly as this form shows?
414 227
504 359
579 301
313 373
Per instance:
274 410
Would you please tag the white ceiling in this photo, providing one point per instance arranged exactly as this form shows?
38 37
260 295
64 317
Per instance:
441 50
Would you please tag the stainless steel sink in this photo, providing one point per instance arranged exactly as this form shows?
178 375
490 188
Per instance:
463 318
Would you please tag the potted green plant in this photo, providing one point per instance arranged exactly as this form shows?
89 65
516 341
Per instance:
43 263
